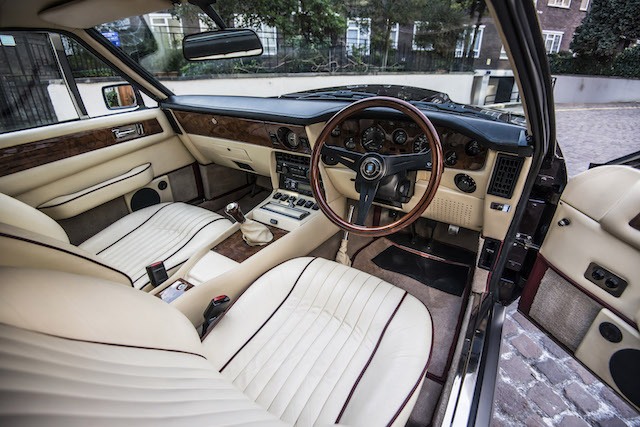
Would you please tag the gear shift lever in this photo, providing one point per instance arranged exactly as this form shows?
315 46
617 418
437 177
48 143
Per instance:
254 233
234 211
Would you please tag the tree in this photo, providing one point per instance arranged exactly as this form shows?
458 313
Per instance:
385 14
442 23
609 28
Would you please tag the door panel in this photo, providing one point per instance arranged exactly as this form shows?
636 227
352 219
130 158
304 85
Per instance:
87 154
585 287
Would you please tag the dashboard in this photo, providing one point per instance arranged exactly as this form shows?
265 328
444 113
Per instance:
405 137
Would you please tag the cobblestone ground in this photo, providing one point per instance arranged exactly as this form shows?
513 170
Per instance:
539 384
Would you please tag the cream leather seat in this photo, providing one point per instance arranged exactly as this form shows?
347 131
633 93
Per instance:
169 232
311 342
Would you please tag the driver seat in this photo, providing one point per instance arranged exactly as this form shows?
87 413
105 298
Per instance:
311 342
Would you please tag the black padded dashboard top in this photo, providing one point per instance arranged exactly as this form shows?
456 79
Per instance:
496 135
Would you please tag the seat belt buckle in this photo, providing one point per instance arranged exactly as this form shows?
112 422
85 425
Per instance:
157 273
214 312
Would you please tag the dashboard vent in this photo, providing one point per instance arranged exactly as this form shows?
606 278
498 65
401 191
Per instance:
505 175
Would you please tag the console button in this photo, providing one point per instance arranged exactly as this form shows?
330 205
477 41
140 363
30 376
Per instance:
308 204
315 207
292 198
277 195
284 197
300 202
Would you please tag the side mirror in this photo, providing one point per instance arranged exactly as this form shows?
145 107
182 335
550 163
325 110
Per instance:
221 44
121 95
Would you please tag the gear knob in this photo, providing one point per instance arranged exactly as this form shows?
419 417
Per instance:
233 210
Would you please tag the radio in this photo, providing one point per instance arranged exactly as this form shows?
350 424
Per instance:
294 173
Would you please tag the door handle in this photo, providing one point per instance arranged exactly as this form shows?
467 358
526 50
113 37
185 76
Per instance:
127 131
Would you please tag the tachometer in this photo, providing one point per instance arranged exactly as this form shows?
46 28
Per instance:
373 138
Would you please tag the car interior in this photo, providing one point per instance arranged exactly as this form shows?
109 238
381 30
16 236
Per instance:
177 264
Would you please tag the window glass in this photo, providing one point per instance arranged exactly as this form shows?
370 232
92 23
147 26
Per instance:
552 40
560 3
358 36
32 89
48 78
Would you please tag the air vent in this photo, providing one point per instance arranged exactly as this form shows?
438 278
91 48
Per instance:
505 175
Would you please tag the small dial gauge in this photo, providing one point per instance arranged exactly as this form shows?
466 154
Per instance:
336 131
400 137
373 138
450 158
421 143
472 148
293 141
350 143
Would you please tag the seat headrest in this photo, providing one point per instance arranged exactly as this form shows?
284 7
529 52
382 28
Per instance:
19 214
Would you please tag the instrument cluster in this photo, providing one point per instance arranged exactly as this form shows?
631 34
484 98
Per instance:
402 137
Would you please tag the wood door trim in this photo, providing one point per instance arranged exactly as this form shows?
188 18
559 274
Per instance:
37 153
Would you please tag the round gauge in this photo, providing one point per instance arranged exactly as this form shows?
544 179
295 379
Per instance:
472 148
350 143
293 141
421 143
336 131
373 138
450 158
400 137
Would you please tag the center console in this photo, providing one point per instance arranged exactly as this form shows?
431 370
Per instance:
292 204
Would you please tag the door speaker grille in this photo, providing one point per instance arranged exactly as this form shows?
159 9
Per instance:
505 175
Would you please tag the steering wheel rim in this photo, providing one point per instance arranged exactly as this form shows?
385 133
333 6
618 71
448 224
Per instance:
372 159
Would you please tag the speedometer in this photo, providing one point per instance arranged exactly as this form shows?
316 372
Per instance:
373 138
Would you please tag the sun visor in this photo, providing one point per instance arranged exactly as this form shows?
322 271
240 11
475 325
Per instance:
89 13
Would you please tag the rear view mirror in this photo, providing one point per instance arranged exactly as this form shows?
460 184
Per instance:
221 44
119 96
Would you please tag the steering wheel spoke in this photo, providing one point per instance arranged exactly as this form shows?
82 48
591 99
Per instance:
406 162
368 190
341 155
371 168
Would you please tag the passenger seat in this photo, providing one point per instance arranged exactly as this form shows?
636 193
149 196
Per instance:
168 232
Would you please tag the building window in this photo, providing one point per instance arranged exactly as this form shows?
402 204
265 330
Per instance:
462 50
359 35
503 53
393 36
416 30
584 5
267 34
552 40
560 3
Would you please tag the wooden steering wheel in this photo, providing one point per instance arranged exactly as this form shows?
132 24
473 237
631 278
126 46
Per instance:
371 168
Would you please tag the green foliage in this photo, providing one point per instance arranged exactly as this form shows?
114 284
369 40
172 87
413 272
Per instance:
626 64
608 29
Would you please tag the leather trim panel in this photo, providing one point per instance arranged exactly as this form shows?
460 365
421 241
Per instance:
26 156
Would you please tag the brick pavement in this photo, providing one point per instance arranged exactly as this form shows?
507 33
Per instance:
539 384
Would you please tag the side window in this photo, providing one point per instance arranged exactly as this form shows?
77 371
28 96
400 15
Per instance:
32 88
47 78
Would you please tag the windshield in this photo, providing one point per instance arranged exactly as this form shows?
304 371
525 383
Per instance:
436 51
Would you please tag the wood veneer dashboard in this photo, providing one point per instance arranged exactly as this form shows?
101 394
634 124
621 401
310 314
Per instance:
267 134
